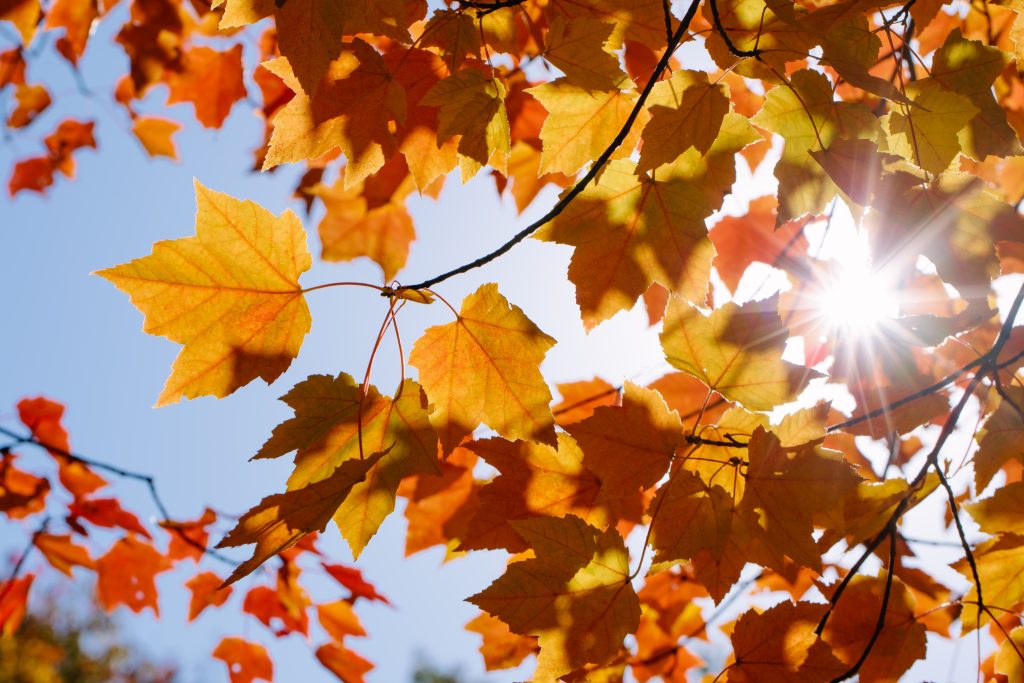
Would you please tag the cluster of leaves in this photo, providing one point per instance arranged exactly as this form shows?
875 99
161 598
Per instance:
79 525
910 113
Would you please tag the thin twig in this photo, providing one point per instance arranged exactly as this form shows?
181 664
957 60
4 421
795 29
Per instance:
147 479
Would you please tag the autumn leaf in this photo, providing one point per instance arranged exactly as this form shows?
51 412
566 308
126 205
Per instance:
126 575
350 110
43 417
999 562
211 81
779 644
785 490
737 351
577 48
471 103
484 367
533 479
501 649
630 232
686 111
581 123
901 641
327 433
155 135
578 583
343 663
629 447
339 620
806 116
352 579
108 513
62 553
928 135
21 493
207 591
14 603
246 661
230 295
281 520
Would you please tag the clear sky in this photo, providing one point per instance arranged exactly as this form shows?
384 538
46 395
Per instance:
72 337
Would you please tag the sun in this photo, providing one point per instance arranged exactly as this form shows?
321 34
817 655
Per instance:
856 300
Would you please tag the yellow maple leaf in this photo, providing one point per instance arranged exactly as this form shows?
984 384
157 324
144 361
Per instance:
575 594
230 295
927 134
582 123
577 48
686 111
472 104
326 432
281 520
484 367
737 351
351 110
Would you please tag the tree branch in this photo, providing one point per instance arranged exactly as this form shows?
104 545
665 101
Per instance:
147 479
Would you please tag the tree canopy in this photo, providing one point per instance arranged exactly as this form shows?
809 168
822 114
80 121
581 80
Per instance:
811 399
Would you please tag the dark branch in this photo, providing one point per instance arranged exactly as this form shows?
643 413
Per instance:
883 610
716 17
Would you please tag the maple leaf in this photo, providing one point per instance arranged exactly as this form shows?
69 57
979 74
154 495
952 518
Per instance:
352 579
471 103
968 67
632 231
484 367
43 417
327 433
339 620
211 81
1000 512
62 554
246 661
1000 564
24 14
14 603
534 479
807 117
230 295
737 351
629 447
126 575
21 493
350 110
686 111
779 644
207 591
32 101
577 48
574 595
501 649
901 641
784 490
440 508
281 520
107 512
188 539
368 219
343 663
929 137
754 237
581 123
155 135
